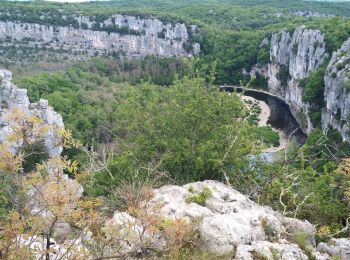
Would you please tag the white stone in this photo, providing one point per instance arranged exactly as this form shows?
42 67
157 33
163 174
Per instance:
282 250
339 247
228 218
13 98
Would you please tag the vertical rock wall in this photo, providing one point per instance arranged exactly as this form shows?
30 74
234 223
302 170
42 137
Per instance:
337 92
293 56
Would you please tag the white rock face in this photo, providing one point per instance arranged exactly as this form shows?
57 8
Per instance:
122 35
337 98
228 218
282 250
336 248
293 58
15 99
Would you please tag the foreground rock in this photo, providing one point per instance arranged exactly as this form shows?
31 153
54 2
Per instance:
15 101
229 225
228 219
267 250
336 248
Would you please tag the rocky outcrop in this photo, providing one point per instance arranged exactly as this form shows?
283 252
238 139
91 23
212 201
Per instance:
228 224
311 14
119 35
292 58
336 248
228 218
15 101
337 92
267 250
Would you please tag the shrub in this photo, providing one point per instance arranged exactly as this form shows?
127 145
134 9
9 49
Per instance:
264 55
346 85
199 197
283 75
268 136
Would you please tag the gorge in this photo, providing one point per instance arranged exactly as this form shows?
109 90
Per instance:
293 57
280 117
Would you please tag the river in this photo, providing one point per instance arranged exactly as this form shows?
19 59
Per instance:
276 113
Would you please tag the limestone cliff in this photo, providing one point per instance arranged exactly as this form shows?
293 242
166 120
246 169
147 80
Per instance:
15 100
337 92
293 56
119 35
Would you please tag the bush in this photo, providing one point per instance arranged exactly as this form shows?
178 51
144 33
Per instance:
314 88
346 85
268 136
185 130
283 75
199 197
264 55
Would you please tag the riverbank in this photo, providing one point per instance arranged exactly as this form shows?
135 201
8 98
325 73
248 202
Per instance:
263 118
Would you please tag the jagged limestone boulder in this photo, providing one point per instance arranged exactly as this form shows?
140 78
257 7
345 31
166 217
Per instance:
15 100
227 218
336 248
337 94
282 250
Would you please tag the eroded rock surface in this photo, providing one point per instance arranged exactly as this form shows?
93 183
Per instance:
228 219
281 249
119 35
14 100
336 248
337 95
292 58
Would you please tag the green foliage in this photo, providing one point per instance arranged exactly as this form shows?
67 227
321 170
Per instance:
314 87
314 94
268 136
259 82
84 94
190 130
264 55
346 85
199 197
315 117
4 203
300 239
322 150
283 75
35 154
268 229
